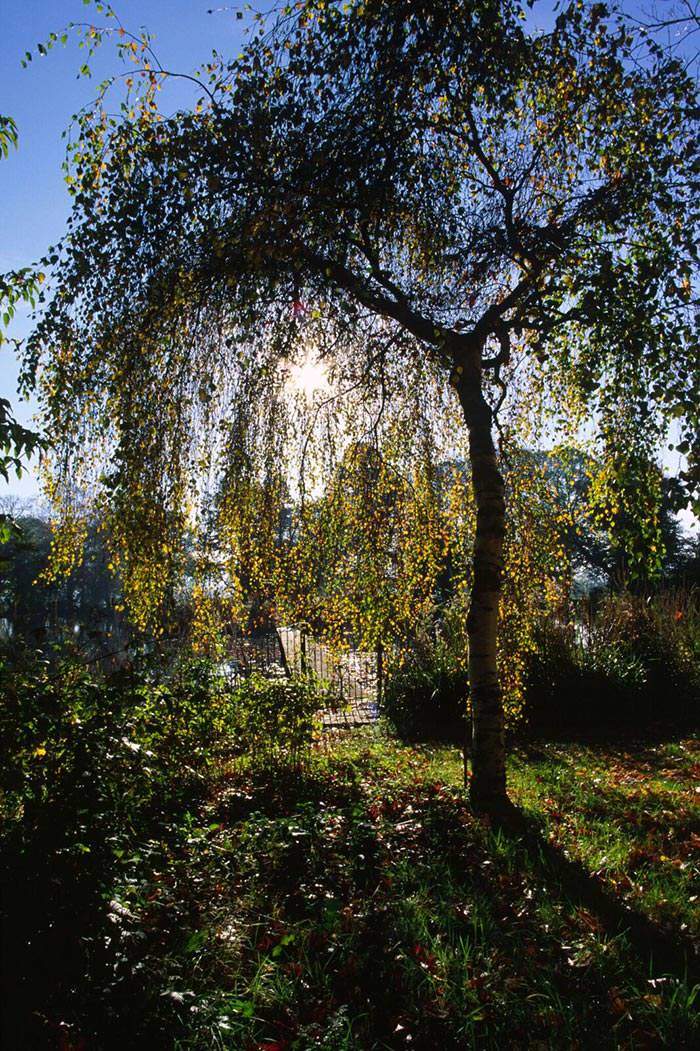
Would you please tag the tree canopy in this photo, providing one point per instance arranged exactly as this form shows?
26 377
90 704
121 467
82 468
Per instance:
431 199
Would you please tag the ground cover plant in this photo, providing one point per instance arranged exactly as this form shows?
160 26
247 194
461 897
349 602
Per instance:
346 899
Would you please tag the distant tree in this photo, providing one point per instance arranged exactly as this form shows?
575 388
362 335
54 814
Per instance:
418 180
82 606
637 542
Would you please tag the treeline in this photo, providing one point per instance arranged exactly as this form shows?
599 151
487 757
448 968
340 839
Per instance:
38 605
38 608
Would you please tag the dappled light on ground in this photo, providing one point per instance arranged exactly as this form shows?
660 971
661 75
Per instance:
356 902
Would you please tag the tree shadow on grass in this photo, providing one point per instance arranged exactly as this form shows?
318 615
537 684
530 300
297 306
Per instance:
382 908
664 950
438 940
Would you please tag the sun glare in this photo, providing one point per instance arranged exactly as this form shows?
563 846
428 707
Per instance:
310 377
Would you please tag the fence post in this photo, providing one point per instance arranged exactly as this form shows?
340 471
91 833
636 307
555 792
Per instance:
283 653
302 652
380 673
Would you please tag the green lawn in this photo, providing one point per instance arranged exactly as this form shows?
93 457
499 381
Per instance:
631 816
359 904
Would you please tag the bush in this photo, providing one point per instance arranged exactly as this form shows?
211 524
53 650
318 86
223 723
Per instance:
273 720
92 768
63 725
100 779
425 694
629 661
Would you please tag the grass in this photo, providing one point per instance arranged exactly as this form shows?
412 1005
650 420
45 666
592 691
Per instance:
358 904
631 817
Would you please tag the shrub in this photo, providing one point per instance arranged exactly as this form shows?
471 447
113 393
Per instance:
425 693
92 769
118 738
630 660
273 720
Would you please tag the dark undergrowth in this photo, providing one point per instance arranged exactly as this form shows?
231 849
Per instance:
353 903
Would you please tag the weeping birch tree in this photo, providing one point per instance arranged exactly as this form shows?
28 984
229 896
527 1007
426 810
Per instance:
432 185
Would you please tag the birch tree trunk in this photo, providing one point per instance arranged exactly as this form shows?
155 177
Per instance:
488 783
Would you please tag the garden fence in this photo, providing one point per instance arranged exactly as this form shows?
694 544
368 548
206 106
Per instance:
351 679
